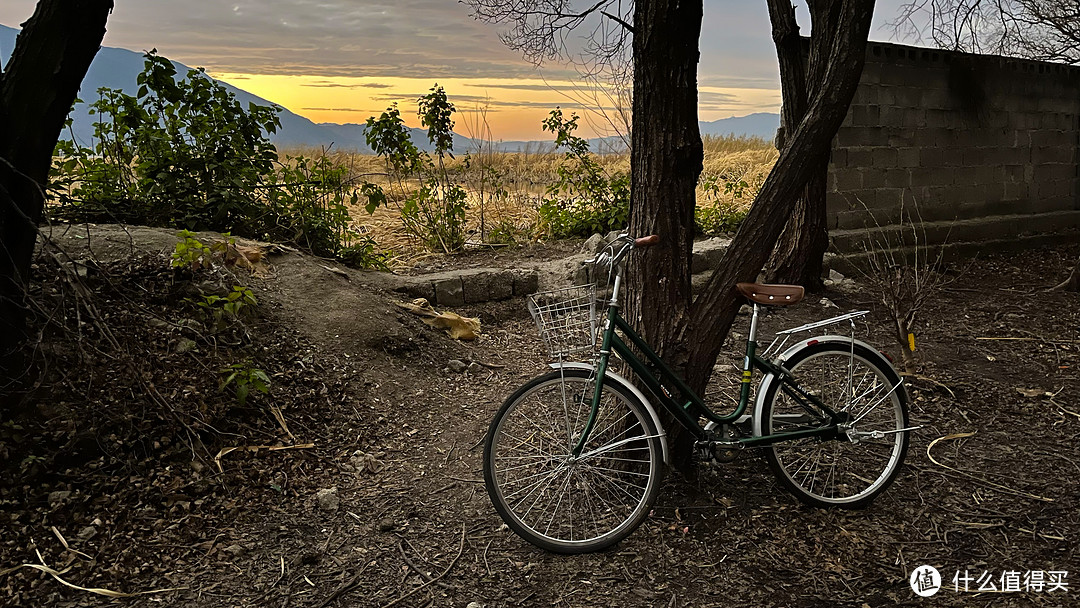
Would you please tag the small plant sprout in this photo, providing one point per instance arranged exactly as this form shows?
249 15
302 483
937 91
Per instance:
244 377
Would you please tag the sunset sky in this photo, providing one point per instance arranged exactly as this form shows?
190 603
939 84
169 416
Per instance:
344 60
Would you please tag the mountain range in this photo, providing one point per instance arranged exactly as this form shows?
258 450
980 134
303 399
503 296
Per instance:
117 68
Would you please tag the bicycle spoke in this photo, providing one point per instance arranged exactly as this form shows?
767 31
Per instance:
840 470
563 503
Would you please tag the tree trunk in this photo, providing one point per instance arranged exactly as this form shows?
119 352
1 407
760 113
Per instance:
806 151
800 251
42 77
666 160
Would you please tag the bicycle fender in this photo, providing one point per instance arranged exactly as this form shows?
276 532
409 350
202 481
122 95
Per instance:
766 382
621 381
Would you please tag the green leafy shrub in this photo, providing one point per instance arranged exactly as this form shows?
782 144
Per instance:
180 153
220 311
308 202
721 213
434 211
718 219
585 199
185 153
506 232
244 377
190 252
364 252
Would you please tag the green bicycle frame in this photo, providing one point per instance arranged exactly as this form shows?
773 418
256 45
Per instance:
689 407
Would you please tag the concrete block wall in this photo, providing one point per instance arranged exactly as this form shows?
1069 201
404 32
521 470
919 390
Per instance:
970 139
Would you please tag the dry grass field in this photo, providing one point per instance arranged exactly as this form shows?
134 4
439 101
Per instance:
523 179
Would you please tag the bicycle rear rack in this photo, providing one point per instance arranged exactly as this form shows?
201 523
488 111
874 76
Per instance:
781 337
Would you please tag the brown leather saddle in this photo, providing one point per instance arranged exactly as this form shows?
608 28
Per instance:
771 295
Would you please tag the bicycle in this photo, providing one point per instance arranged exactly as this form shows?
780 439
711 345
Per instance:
573 459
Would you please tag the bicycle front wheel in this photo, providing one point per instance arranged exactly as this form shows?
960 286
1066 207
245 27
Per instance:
865 457
559 502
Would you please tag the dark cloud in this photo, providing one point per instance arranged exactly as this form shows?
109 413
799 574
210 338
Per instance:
405 38
326 84
514 87
334 109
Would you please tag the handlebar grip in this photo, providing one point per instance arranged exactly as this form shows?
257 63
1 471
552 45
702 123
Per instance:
647 241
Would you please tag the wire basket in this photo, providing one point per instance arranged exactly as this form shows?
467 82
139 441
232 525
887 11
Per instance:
566 319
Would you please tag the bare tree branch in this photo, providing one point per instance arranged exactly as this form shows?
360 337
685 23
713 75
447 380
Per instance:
1044 30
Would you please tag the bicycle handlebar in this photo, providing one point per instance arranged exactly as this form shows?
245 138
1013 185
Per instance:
628 243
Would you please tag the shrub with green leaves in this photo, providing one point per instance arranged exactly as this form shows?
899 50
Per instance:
721 213
586 199
180 153
184 153
432 205
220 311
244 377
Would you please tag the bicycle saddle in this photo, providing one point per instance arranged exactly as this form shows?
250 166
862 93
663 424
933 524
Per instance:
771 295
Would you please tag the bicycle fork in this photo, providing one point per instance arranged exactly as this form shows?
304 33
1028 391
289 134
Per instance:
601 366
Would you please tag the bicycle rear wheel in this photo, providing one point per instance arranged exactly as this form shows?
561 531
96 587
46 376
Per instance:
861 385
553 500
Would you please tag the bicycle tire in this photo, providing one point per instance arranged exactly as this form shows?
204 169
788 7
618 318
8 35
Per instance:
855 473
539 491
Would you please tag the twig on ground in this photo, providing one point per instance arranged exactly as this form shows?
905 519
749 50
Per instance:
427 577
466 480
461 548
343 588
974 477
931 381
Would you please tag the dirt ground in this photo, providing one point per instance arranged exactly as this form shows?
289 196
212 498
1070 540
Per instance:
112 478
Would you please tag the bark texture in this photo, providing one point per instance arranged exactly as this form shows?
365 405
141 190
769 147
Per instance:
666 160
807 148
37 88
798 256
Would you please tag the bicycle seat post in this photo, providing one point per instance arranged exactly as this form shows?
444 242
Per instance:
753 324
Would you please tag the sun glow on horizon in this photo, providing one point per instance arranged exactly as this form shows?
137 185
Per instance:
512 108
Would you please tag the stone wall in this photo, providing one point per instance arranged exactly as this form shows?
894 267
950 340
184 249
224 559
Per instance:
985 146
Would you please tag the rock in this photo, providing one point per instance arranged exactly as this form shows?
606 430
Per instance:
593 244
327 499
525 282
456 365
235 550
450 292
157 323
184 345
486 285
834 276
474 605
474 368
827 303
708 253
580 275
88 532
746 309
386 524
58 497
611 236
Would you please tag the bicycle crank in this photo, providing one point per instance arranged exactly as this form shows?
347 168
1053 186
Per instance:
717 451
